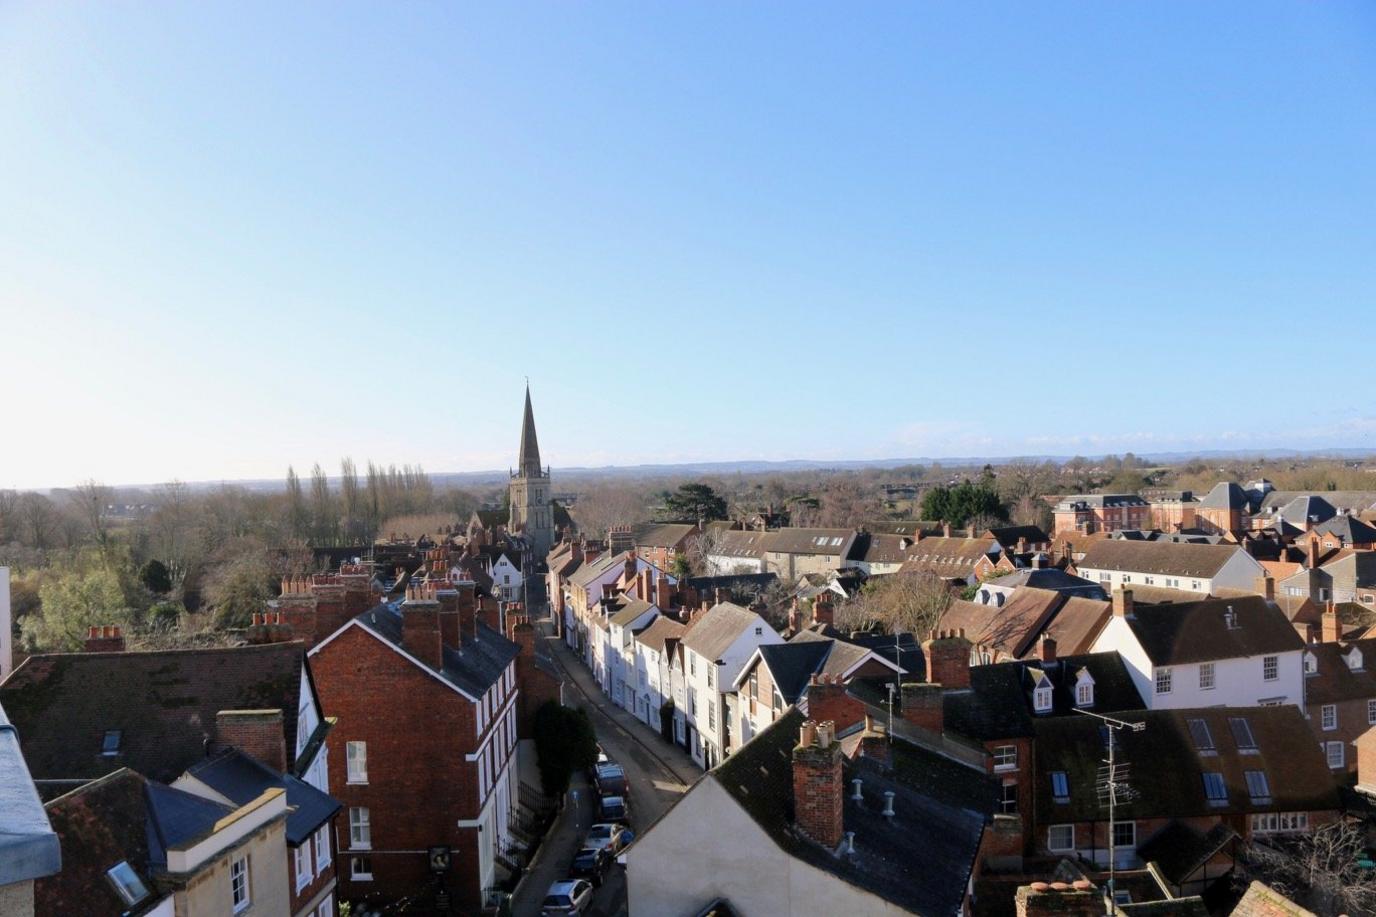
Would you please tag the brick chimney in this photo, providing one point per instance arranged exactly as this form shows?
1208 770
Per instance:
1047 648
1041 899
331 611
268 627
1331 628
817 784
420 625
1122 603
490 613
1002 846
256 733
827 700
296 606
664 593
1266 586
629 574
107 638
874 744
1022 544
450 635
923 706
948 659
823 611
795 617
1313 553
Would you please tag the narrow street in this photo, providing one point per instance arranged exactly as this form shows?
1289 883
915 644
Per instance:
657 774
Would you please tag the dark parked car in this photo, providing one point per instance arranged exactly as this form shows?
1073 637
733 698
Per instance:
610 779
591 863
613 808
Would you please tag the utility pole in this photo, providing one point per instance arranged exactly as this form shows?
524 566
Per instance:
1111 784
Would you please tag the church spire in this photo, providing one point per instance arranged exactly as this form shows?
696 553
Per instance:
530 447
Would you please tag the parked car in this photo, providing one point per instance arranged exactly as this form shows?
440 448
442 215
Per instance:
571 897
613 808
601 760
609 835
610 779
591 863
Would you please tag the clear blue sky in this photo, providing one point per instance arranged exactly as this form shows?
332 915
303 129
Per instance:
238 236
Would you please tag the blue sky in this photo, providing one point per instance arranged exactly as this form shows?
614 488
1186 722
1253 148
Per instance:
240 236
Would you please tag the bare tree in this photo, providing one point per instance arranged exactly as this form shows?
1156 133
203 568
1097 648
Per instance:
297 516
910 603
1318 870
90 501
324 518
351 500
39 520
604 505
9 516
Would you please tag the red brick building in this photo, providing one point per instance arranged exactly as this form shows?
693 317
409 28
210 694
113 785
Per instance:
426 697
1090 513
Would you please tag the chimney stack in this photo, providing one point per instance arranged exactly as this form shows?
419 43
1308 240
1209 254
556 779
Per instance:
1313 553
823 611
945 530
924 706
256 733
107 638
874 744
1122 603
1331 627
1266 586
948 659
1059 899
817 784
828 700
1048 648
420 626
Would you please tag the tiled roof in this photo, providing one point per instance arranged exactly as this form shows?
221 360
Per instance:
628 610
1075 625
1297 774
593 570
1199 631
663 628
833 542
948 558
1009 628
1050 578
663 535
1335 680
241 779
920 859
743 544
1178 849
792 664
1225 495
1202 561
163 703
882 549
1356 501
1008 535
473 669
712 633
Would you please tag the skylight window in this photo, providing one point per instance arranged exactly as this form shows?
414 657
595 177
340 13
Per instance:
1242 733
1258 787
1203 739
127 883
1060 786
109 744
1215 788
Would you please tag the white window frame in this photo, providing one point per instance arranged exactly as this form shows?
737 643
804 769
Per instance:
1371 712
1041 699
356 763
1131 845
1328 717
1270 668
1051 835
1005 758
1207 676
301 860
360 828
1336 754
240 886
1084 694
323 856
1162 680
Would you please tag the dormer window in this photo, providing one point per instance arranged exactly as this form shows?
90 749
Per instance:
1354 660
1084 689
1041 694
1311 664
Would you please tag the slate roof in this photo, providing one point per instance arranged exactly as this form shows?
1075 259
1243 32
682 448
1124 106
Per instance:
1296 770
1100 500
1200 561
593 570
792 664
1050 578
241 779
661 630
920 860
712 634
1007 535
1349 529
28 847
747 545
734 583
164 703
1355 500
1225 495
1307 509
472 670
1198 631
830 542
881 548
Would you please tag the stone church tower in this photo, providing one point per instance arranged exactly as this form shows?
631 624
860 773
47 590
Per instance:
531 509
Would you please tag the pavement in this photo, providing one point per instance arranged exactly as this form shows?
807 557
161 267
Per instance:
657 774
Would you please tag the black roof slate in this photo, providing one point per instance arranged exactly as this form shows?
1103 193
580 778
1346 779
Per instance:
792 664
242 779
473 668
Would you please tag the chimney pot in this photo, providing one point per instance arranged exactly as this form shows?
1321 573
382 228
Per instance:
888 803
855 790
